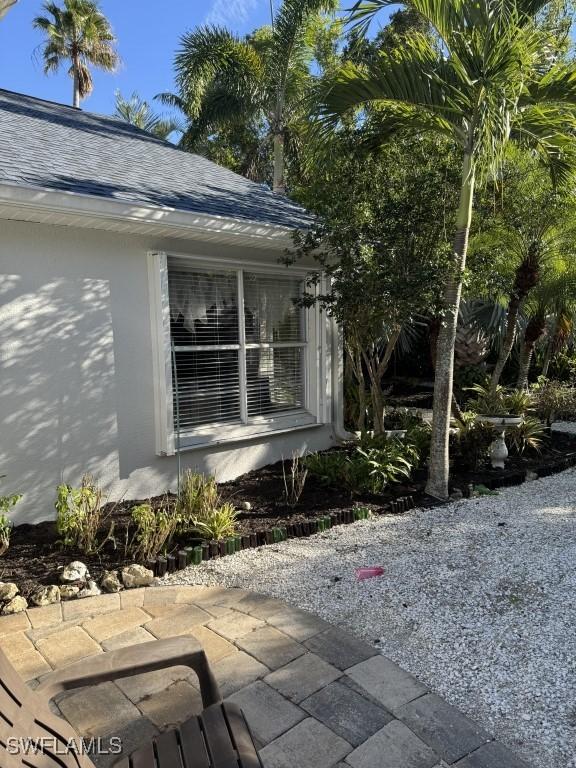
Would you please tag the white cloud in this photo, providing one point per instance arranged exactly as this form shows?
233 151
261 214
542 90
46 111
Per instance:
230 13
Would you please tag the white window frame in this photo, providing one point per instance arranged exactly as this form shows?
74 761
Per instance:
316 387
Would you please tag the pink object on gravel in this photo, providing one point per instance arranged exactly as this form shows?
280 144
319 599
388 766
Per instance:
369 572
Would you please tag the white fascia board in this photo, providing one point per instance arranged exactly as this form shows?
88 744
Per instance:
135 216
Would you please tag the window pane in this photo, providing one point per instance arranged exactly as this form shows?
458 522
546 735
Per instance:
269 309
207 388
203 305
204 312
274 380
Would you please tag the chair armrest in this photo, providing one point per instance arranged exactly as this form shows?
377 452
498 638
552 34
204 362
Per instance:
135 660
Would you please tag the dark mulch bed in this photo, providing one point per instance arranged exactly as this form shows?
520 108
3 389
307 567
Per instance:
35 554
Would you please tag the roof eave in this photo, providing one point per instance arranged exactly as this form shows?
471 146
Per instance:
62 208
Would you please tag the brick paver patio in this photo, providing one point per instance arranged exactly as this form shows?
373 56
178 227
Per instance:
314 696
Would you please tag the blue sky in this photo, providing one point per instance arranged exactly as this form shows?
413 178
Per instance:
148 32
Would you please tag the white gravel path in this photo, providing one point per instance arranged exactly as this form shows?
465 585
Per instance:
478 600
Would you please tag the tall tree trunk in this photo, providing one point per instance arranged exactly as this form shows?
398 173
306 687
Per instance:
548 357
534 331
524 365
75 86
509 339
438 475
278 183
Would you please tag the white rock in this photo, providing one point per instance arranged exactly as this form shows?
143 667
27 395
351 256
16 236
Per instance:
110 582
69 591
90 590
46 595
75 571
8 591
16 605
245 505
137 576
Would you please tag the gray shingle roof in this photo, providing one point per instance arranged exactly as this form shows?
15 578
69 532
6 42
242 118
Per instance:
58 147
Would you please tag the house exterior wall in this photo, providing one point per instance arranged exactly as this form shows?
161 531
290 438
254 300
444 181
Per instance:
76 369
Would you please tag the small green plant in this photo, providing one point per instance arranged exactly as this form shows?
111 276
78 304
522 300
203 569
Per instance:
217 523
482 490
499 402
154 529
327 466
79 515
401 418
526 436
6 504
198 495
472 441
295 481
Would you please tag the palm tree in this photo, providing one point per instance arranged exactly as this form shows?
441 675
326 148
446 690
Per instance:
484 80
5 6
79 33
138 112
224 80
554 299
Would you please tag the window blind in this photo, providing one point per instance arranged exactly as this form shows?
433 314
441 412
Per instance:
238 345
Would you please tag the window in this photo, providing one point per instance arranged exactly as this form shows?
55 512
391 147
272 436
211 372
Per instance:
241 354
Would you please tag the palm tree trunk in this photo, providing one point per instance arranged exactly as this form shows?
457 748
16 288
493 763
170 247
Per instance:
524 366
278 184
508 343
438 475
548 357
75 86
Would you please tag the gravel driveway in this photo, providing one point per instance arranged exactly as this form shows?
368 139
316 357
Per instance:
478 600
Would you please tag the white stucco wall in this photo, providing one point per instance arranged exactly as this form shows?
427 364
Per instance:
76 388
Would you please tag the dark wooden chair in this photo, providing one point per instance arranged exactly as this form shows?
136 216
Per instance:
32 736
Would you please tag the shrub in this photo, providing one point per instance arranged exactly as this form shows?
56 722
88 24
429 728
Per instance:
420 437
526 436
6 504
368 468
198 495
79 514
295 481
154 529
217 522
401 418
499 402
471 442
553 400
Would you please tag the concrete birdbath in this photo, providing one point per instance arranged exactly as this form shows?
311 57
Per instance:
499 449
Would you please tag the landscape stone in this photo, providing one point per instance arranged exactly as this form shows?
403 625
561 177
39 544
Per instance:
90 590
8 591
110 582
137 576
46 595
16 605
74 571
69 591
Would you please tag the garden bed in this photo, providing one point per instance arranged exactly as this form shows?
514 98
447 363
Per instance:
35 554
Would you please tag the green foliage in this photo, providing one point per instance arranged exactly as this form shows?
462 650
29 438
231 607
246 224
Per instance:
79 514
154 529
198 496
401 418
138 112
217 522
6 504
471 442
499 402
553 400
526 436
367 468
420 436
483 490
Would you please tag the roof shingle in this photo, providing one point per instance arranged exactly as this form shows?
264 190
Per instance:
48 145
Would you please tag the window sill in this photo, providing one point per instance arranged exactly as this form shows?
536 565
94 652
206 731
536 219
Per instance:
241 434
